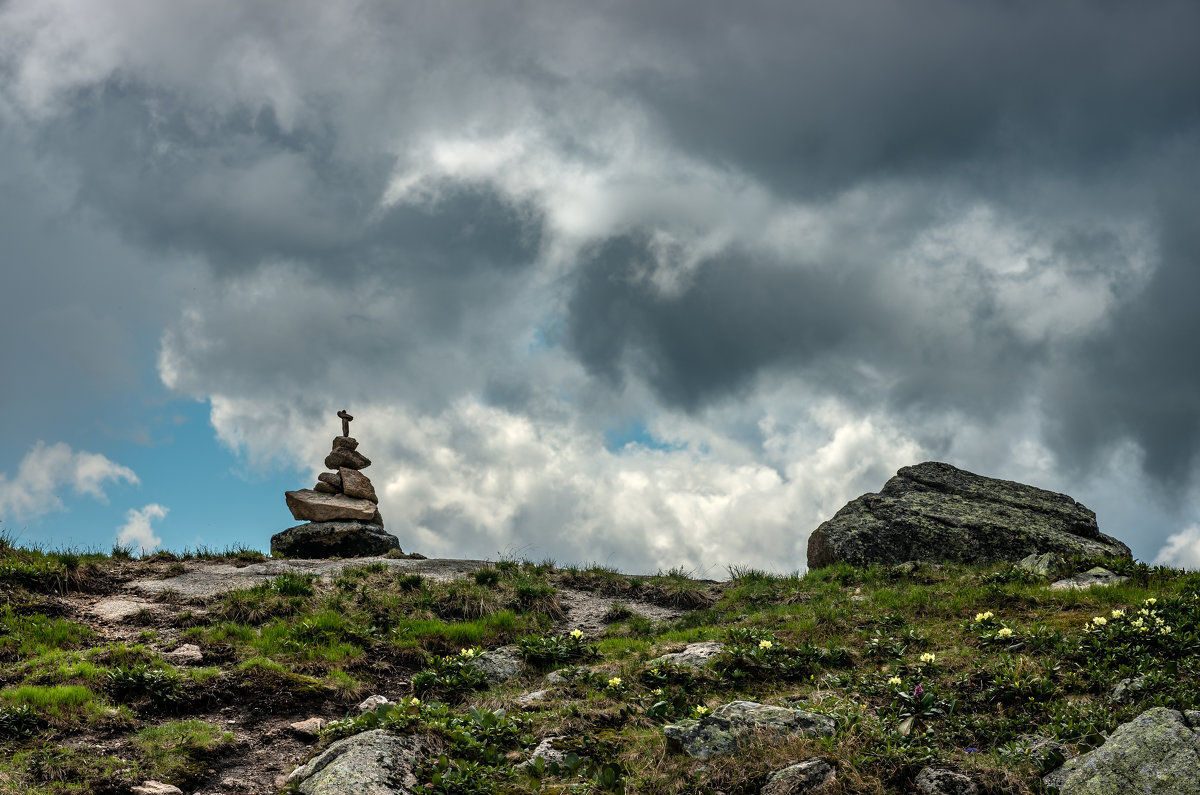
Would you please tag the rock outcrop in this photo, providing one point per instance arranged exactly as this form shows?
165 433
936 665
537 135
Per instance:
1158 751
341 510
722 731
935 512
375 762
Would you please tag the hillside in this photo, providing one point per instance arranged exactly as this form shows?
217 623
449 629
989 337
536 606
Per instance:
117 670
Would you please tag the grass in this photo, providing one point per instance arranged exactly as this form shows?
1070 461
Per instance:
844 642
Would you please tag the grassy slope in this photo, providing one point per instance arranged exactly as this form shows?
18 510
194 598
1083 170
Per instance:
835 641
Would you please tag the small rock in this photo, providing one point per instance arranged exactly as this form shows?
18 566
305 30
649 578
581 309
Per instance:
325 488
1090 578
546 750
719 732
566 675
356 484
332 478
1127 687
349 459
1043 565
186 654
939 781
156 788
695 655
373 702
345 443
810 777
311 727
236 784
500 665
534 698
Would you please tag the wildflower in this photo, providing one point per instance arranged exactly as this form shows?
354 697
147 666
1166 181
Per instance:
1137 622
928 657
972 750
658 691
576 634
765 644
468 653
1165 630
918 691
895 680
701 711
416 702
614 682
1143 629
1118 614
1004 633
1143 612
981 617
1150 601
1099 621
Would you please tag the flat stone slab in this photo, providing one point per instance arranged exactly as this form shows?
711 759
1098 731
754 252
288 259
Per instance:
308 505
205 579
1091 577
694 655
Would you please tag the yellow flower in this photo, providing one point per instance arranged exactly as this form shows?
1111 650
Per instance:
468 653
416 702
1150 601
576 634
1165 630
1099 621
928 657
614 682
658 691
981 617
702 710
1118 614
765 644
1004 633
895 680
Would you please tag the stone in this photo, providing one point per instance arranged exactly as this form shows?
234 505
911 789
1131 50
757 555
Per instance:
567 675
546 751
934 512
1127 687
313 506
152 787
1092 577
333 479
372 703
694 655
810 777
939 781
345 443
356 484
721 731
333 540
1155 752
501 664
534 699
308 728
348 459
325 488
374 762
187 654
1044 565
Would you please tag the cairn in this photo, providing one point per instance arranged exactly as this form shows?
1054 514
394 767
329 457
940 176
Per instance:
341 512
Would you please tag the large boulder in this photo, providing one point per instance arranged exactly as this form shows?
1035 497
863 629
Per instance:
314 506
333 540
935 512
372 763
1158 752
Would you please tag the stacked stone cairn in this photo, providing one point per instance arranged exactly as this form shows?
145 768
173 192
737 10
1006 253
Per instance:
341 511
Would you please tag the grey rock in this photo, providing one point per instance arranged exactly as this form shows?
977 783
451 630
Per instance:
810 777
545 750
333 539
934 512
701 739
532 700
187 654
372 703
1156 752
341 458
325 488
152 787
313 506
1092 577
1039 749
1046 564
567 675
345 443
375 762
1192 718
308 728
939 781
356 484
721 731
695 655
500 665
332 478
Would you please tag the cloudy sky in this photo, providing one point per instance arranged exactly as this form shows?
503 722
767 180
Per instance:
643 284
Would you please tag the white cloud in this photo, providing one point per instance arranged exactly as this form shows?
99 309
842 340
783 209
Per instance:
48 469
1182 549
137 531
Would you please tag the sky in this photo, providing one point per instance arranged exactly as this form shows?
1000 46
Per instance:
646 285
